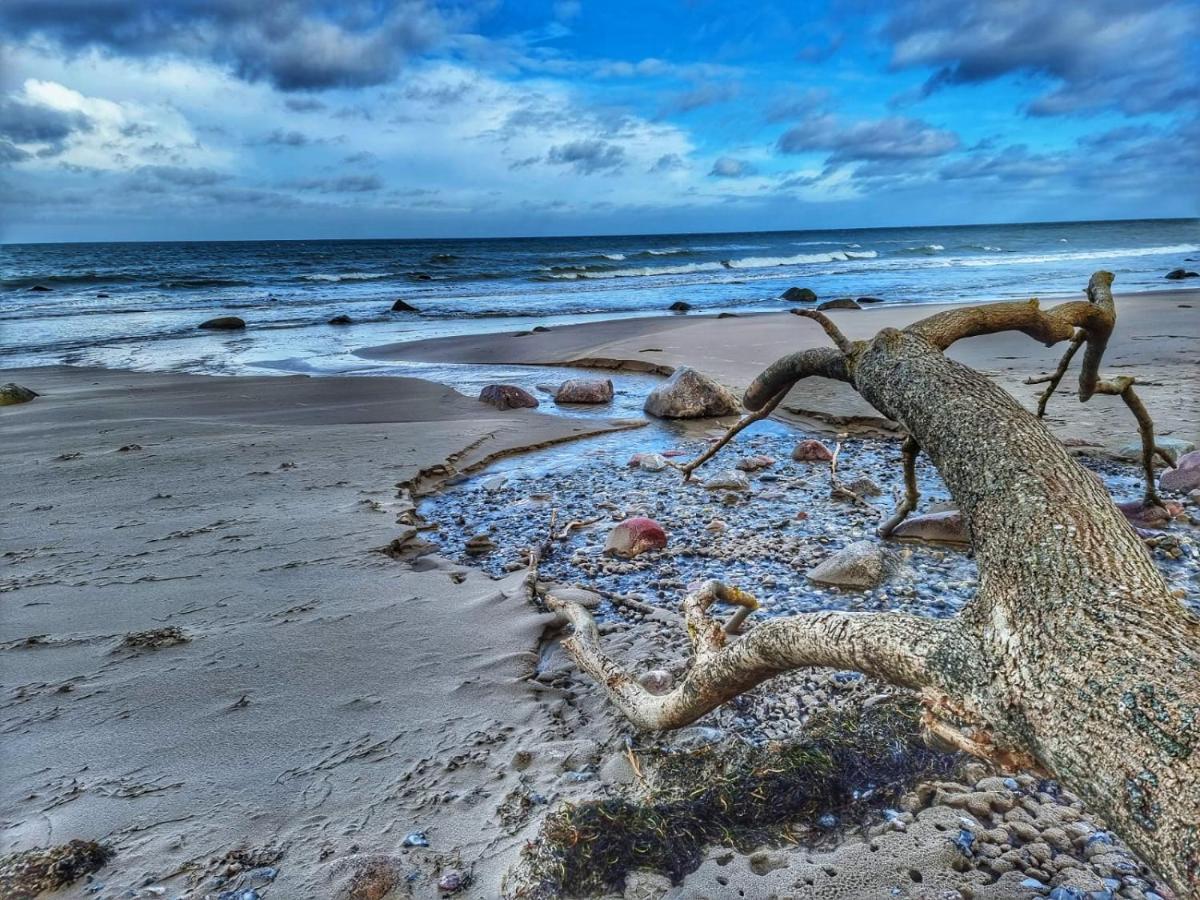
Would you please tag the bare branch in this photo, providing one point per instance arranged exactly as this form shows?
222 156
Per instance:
1052 381
912 494
842 342
749 419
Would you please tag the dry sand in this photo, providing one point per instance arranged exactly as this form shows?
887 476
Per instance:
328 698
1157 340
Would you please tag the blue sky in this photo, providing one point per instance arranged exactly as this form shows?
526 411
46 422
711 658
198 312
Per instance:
235 119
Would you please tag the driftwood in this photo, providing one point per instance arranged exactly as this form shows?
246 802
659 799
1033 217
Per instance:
1073 657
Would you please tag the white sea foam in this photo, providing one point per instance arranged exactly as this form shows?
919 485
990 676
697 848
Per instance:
347 276
617 257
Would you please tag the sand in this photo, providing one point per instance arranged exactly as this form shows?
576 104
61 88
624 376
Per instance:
1157 339
327 698
302 702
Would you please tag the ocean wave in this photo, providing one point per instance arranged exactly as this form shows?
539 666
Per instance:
923 250
347 276
1071 256
618 257
195 283
768 262
569 273
669 251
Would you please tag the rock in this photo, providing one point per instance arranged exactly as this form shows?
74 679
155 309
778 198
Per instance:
695 737
1133 450
1142 516
102 296
479 545
754 463
635 536
401 306
41 288
11 394
415 839
1185 476
1174 275
945 527
811 451
451 882
507 396
730 480
862 300
420 276
727 315
798 295
657 681
224 323
864 487
341 320
649 462
540 329
584 390
839 303
688 394
859 565
680 306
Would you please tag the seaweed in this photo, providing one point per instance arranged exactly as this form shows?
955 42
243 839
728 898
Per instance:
27 874
848 764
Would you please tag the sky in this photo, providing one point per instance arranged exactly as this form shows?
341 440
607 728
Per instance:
243 119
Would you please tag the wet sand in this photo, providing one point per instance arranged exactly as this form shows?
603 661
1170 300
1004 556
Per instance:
1157 339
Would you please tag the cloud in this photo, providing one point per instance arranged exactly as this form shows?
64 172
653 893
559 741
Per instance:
587 156
281 138
728 167
183 176
34 123
668 162
892 138
296 45
797 105
1134 55
698 97
303 104
345 184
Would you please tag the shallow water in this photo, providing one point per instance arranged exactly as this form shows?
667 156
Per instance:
775 533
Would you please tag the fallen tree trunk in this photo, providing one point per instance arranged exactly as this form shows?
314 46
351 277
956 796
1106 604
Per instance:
1073 656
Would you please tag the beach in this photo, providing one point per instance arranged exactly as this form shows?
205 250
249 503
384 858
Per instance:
229 655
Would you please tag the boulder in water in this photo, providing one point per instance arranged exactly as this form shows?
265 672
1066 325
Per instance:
585 390
946 527
689 394
1178 446
862 300
1185 476
839 303
754 463
401 306
860 565
41 288
11 394
341 320
649 462
224 323
507 396
635 536
812 451
1174 275
798 295
680 306
1142 516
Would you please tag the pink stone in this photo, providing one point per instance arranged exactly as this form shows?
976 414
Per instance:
1185 476
1143 516
635 536
812 451
507 396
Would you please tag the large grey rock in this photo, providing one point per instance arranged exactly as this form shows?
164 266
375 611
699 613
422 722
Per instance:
860 565
729 480
689 394
224 323
1185 476
1180 274
798 295
584 390
946 527
839 303
1133 450
507 396
12 394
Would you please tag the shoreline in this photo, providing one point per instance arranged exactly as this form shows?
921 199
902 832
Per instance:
1156 337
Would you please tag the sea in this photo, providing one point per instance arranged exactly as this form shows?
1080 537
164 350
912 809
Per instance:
137 305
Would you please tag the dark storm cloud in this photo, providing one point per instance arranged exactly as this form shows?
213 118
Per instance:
11 153
297 45
586 157
1135 55
893 138
30 123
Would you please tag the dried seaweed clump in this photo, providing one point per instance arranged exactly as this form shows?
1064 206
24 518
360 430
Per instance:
25 875
155 639
848 763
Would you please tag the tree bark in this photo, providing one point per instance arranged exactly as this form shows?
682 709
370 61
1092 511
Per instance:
1073 656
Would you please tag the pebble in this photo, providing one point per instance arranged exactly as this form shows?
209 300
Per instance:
451 882
415 839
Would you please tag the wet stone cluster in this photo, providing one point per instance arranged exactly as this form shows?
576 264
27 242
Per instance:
763 538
